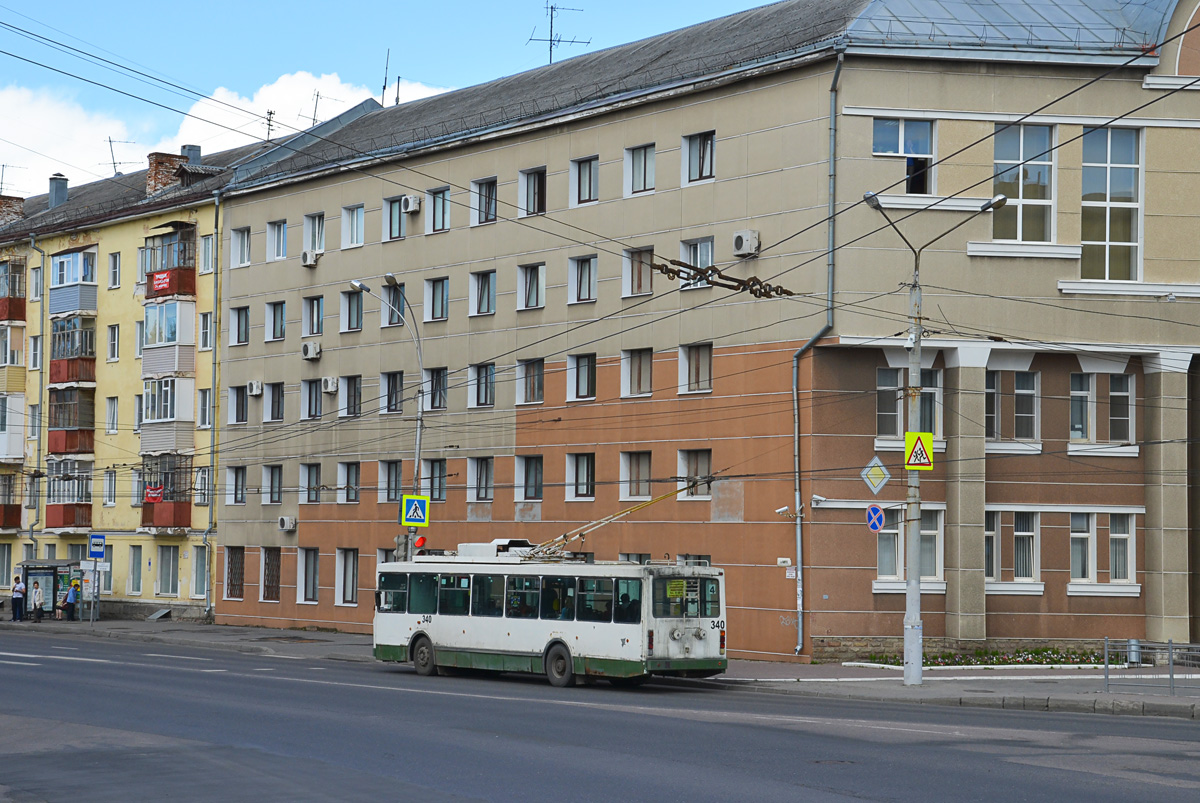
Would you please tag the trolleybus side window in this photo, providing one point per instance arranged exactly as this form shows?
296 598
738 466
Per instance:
686 597
629 602
558 598
710 598
393 593
454 594
522 599
488 597
423 593
595 599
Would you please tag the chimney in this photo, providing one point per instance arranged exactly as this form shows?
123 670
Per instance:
11 208
192 152
162 171
58 190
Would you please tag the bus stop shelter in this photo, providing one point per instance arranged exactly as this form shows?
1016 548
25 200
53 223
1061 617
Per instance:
53 576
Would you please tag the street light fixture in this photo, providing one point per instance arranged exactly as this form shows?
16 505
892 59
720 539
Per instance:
913 627
404 551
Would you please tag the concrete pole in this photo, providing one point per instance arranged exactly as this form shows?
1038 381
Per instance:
913 627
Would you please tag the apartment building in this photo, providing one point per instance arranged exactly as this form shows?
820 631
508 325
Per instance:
522 233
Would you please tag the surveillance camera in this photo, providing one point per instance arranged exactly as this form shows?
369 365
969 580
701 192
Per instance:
911 343
781 510
817 500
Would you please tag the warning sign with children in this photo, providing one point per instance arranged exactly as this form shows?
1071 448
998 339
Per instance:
918 451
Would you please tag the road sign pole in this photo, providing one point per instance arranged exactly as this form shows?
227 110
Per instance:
913 627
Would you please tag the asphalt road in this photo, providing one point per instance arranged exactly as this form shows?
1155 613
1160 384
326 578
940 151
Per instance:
107 720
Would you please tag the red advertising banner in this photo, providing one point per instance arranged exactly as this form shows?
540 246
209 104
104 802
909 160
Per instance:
162 281
154 494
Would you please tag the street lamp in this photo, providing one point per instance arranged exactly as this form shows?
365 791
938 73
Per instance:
913 627
390 280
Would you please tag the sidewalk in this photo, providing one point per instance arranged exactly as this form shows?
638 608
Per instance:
1032 688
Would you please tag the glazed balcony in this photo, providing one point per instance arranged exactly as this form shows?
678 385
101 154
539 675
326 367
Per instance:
73 356
72 422
171 269
12 290
173 515
75 514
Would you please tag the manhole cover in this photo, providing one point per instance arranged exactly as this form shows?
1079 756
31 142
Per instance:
292 639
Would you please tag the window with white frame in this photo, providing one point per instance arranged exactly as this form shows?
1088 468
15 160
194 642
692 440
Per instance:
1120 548
1083 406
888 396
480 479
483 384
162 324
437 381
137 413
636 372
695 468
581 476
158 400
239 247
347 576
699 162
1083 552
272 480
203 408
991 405
931 544
238 412
695 368
133 585
309 563
1024 166
639 169
582 280
438 204
1110 227
888 546
889 541
529 478
199 570
531 381
352 311
638 278
313 315
276 315
206 331
483 293
437 299
310 478
273 403
1025 405
581 377
391 474
110 415
931 402
235 482
433 479
201 492
1025 551
585 180
310 398
912 140
350 396
314 232
207 254
11 342
348 482
392 383
139 338
698 254
110 488
392 306
277 240
635 475
35 421
114 270
74 268
352 226
1120 408
35 352
168 571
531 190
531 293
991 545
239 326
395 221
483 200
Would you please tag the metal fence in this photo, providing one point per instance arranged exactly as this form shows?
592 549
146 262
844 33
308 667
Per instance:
1154 666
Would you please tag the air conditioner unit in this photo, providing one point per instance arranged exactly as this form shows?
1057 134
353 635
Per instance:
309 258
745 243
410 204
310 350
287 524
254 388
329 384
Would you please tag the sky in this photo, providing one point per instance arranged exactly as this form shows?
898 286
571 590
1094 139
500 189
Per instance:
231 62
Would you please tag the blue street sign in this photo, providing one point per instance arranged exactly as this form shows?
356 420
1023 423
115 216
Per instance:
414 511
875 518
96 546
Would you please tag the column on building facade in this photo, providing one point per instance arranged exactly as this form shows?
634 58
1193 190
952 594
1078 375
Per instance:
965 493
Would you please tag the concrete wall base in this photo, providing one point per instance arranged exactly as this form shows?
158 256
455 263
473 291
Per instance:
116 610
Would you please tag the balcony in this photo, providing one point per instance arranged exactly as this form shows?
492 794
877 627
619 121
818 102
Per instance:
12 289
170 269
72 422
71 441
167 515
72 356
70 298
10 517
77 514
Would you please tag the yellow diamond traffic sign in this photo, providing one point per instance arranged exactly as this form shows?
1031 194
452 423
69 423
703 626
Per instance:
875 475
918 451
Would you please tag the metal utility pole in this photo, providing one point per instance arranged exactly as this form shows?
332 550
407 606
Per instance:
914 646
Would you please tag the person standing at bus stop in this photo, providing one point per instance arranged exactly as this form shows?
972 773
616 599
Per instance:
37 600
18 599
69 603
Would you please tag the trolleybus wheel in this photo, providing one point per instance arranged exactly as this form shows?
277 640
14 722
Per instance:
558 667
423 657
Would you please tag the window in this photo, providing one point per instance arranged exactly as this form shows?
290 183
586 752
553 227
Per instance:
532 290
1025 405
991 406
530 381
161 324
483 197
114 270
206 331
314 232
310 398
35 284
1082 406
168 571
586 178
396 223
436 382
1027 215
483 293
277 240
1110 230
638 278
1083 556
235 564
313 314
310 583
11 342
272 485
392 309
310 475
698 254
201 494
135 569
239 327
480 479
237 405
581 376
991 541
73 268
582 279
529 478
931 402
110 415
912 139
35 420
110 488
348 482
350 396
204 408
434 472
236 479
488 597
437 293
581 476
347 576
139 338
483 383
635 475
35 352
696 368
439 210
393 481
698 161
1120 408
695 465
207 255
393 392
889 394
532 191
273 409
931 553
887 550
352 226
1024 545
639 169
276 315
240 246
352 311
158 400
137 412
1120 552
636 375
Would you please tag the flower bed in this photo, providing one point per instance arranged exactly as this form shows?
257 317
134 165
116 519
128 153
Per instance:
1031 657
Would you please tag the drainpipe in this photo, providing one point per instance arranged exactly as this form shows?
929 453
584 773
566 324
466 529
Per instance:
212 400
829 266
36 486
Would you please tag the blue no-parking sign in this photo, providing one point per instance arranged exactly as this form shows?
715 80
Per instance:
875 518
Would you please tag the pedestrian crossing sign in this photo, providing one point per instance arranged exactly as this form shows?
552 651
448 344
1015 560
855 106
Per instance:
414 511
918 451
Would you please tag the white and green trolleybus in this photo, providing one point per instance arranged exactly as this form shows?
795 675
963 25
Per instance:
504 607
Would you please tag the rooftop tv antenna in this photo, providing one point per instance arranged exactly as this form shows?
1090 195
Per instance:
387 62
113 156
4 167
270 122
556 41
316 100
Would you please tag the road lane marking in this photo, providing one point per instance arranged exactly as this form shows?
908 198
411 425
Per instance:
56 657
19 663
263 669
180 657
56 647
